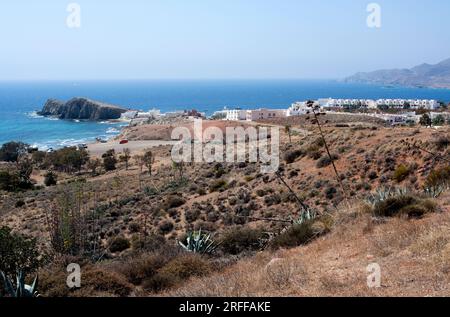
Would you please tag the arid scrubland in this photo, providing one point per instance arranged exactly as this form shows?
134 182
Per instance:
301 232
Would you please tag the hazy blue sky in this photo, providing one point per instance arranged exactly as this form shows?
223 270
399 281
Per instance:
121 39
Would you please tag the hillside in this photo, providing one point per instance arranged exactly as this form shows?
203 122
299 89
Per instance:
127 222
425 75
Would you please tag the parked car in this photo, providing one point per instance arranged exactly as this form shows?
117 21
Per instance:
123 142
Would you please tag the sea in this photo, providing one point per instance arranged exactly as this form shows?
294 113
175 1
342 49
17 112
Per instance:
20 101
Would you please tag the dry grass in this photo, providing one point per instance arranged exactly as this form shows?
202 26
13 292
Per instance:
414 257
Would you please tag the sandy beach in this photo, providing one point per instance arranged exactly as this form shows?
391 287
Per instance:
97 149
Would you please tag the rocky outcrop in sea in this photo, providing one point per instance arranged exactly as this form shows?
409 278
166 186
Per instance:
82 109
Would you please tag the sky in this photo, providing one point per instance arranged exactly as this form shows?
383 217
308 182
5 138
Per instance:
217 39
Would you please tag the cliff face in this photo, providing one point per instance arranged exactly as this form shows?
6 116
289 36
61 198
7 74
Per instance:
81 108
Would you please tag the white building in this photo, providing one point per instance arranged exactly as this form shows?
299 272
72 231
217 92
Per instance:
236 115
410 103
298 109
398 119
263 114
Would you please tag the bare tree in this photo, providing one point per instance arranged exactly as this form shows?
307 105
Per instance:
288 130
93 164
125 157
149 160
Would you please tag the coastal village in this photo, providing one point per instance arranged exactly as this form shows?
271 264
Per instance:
392 111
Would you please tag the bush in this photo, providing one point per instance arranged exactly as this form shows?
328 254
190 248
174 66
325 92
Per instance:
330 192
119 244
373 175
192 215
325 161
294 236
314 151
291 156
109 160
401 173
16 180
438 177
176 271
173 201
95 281
20 203
107 282
165 226
10 152
217 185
150 243
138 269
240 239
405 205
134 227
442 142
17 252
50 179
69 159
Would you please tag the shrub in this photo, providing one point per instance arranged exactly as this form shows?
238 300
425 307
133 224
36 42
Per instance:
274 199
109 160
20 203
50 179
373 175
176 271
185 266
16 180
438 177
314 151
325 160
96 281
119 244
17 252
68 159
217 185
401 173
295 235
107 282
406 205
173 201
291 156
330 192
260 192
138 269
150 243
442 142
10 152
240 239
134 227
165 226
192 214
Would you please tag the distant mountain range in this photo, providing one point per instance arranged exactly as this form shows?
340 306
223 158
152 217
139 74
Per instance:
425 75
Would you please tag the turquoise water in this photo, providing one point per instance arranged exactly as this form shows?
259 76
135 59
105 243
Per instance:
20 100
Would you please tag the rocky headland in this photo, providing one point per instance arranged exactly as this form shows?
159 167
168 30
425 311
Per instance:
82 109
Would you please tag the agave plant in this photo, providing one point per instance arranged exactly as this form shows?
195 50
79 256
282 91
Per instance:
306 215
19 289
199 242
385 193
435 191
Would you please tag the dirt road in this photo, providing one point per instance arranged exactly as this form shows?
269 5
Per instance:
97 149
